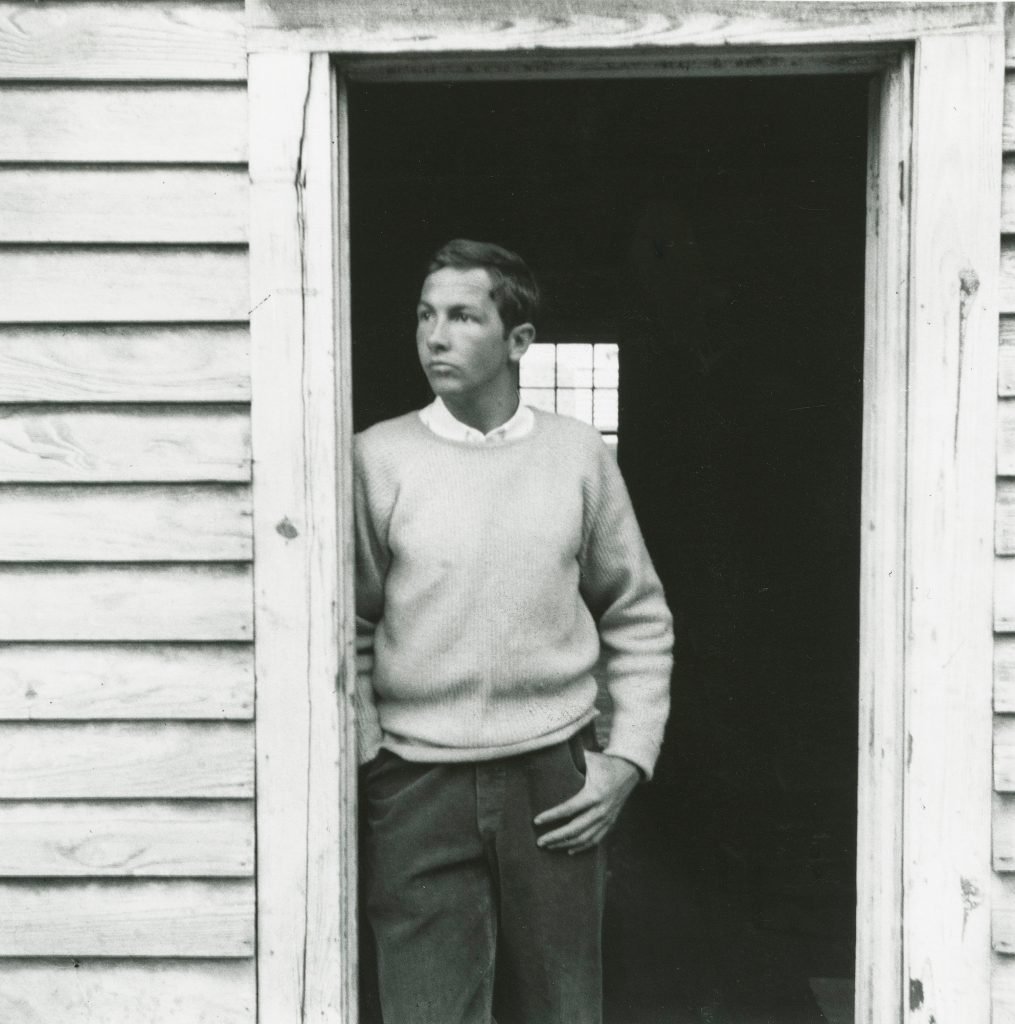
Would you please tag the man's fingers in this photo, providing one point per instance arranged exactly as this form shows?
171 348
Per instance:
570 807
573 830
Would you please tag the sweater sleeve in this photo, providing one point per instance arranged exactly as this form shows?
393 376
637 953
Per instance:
371 568
624 594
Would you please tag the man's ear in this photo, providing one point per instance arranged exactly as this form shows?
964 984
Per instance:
520 338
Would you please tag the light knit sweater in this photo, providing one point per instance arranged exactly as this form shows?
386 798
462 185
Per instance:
490 582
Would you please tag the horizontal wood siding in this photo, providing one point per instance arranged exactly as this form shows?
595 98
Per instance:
81 284
125 523
123 123
72 990
127 918
123 204
118 838
1003 828
142 39
126 588
124 363
108 681
140 760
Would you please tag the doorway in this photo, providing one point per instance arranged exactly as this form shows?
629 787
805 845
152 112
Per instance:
713 231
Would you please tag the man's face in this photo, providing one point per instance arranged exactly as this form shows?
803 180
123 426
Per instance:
460 336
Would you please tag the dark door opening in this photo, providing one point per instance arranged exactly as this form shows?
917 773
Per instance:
713 230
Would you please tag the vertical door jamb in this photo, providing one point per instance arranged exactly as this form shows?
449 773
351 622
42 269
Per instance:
306 839
878 987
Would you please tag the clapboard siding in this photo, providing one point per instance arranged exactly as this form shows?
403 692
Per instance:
1003 989
93 444
1003 823
1007 298
125 838
125 523
123 204
1003 918
125 363
119 760
83 991
1004 673
127 918
126 589
1006 358
1004 753
137 40
126 681
125 602
1006 437
187 123
1004 527
114 284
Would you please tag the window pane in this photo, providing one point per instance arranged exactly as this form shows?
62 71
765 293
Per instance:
539 398
606 409
575 402
574 366
537 367
607 366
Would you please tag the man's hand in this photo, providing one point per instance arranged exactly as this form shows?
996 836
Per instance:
594 808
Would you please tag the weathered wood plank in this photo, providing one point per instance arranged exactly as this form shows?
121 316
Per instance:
306 754
1006 358
81 284
1004 832
123 204
139 40
1004 673
116 760
1004 518
207 838
125 523
1008 194
1002 985
125 602
119 123
883 592
127 918
1007 275
126 681
116 444
125 363
1008 124
1004 754
1004 595
1003 925
457 25
83 991
952 383
1006 437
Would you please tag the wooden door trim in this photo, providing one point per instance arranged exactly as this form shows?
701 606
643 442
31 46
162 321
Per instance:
303 550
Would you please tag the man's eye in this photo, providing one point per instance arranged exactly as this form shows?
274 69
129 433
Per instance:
423 314
466 317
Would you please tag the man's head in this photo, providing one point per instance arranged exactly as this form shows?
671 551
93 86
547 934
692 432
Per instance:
474 323
512 286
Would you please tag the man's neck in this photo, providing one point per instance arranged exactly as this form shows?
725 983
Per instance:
484 416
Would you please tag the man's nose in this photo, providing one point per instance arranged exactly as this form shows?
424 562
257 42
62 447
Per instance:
437 333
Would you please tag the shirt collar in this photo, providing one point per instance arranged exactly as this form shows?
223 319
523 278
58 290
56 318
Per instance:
438 417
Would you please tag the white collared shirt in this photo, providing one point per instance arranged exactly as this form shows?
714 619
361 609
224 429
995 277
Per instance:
438 417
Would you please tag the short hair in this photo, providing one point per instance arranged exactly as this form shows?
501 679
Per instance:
514 289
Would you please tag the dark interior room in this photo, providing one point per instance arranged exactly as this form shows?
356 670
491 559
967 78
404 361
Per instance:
713 230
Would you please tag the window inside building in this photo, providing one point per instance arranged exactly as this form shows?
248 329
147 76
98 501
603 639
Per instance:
574 379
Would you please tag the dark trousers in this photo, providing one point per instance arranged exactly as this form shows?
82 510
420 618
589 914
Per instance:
471 919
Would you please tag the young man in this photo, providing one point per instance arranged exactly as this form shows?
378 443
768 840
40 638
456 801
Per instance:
498 560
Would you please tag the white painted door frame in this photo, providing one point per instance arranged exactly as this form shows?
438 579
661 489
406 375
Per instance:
924 873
